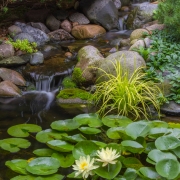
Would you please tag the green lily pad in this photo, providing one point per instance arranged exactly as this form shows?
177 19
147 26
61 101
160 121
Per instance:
157 132
43 166
30 177
168 168
174 132
89 130
61 146
23 130
130 173
66 160
149 147
14 144
110 171
158 124
149 173
48 135
156 155
132 146
176 151
132 162
117 133
65 125
75 138
138 129
99 143
92 120
72 176
44 152
17 165
167 143
116 121
84 148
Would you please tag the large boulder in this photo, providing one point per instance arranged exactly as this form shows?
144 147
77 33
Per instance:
141 14
8 89
103 12
13 76
88 57
129 61
6 50
87 31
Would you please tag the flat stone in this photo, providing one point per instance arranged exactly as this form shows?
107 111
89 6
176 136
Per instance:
12 61
171 108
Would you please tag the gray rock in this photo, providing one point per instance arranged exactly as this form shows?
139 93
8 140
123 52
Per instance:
52 23
117 3
39 36
129 61
12 61
137 45
60 35
61 14
23 36
66 25
171 108
37 58
147 42
40 26
103 12
6 50
141 14
79 17
14 30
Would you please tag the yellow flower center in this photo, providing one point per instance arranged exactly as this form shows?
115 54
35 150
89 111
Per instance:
83 165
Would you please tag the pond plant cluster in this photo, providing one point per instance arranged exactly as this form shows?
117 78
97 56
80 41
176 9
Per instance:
90 147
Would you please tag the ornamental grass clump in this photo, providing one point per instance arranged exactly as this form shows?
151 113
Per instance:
126 95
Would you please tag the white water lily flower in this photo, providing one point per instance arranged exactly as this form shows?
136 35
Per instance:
84 166
107 156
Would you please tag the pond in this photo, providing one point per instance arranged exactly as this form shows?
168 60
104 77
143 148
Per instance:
39 106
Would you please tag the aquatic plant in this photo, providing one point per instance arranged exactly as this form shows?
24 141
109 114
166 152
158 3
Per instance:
126 95
122 150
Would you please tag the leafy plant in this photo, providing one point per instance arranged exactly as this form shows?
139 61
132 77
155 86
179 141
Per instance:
123 150
24 45
126 95
144 52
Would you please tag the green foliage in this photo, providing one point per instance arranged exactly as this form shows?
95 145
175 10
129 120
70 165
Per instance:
127 96
144 52
165 59
24 45
74 93
142 150
168 14
68 83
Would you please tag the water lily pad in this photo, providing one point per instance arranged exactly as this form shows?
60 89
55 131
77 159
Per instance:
110 171
17 165
156 155
84 148
130 173
158 123
117 133
157 132
92 120
116 121
176 151
65 125
48 135
75 138
149 147
23 130
89 130
44 152
138 129
99 143
132 146
14 144
72 176
132 162
66 160
61 146
167 143
148 172
30 177
168 168
174 132
43 166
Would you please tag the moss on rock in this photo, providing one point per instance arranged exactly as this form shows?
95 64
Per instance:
72 93
77 76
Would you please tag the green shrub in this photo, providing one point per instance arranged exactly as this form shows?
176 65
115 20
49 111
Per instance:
126 96
24 45
168 13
